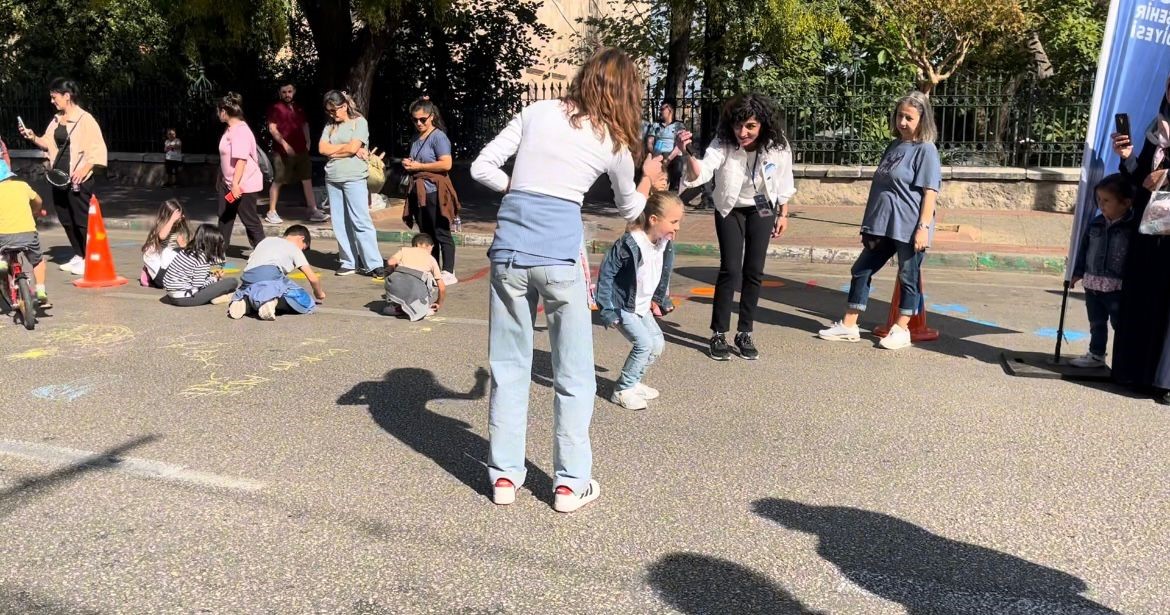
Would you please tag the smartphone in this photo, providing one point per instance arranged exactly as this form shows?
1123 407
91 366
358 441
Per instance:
1121 123
229 197
20 123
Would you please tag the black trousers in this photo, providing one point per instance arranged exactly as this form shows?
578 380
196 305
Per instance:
743 247
204 295
73 213
432 222
245 208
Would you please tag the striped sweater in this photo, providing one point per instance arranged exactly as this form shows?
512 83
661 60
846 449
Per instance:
187 274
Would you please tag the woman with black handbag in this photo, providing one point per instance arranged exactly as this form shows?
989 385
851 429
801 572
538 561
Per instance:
75 145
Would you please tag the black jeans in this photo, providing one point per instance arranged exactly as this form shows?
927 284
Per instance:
245 208
432 222
204 295
1103 308
73 213
743 247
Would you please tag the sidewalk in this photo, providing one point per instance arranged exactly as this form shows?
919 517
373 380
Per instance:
967 239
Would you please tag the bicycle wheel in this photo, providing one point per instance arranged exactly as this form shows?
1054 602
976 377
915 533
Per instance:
28 303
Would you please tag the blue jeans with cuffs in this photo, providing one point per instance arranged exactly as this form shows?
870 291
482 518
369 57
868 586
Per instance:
878 251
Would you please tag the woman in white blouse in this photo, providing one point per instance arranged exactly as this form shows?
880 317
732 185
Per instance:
752 165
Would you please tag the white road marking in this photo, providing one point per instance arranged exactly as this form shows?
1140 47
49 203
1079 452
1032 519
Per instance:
132 466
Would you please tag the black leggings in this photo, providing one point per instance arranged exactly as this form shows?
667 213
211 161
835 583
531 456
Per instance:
204 295
73 213
432 222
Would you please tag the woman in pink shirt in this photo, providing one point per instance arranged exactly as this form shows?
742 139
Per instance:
240 169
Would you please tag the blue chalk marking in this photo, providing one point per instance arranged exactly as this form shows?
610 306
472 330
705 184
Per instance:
986 323
953 308
844 287
62 392
1072 336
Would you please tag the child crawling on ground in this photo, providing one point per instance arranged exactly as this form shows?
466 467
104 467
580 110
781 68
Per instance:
414 284
265 287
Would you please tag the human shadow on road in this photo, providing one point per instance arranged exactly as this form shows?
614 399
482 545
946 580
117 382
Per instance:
28 489
542 373
28 602
818 306
925 572
694 583
399 405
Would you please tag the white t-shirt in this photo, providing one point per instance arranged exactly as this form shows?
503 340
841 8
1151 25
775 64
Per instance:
649 272
276 251
157 260
751 185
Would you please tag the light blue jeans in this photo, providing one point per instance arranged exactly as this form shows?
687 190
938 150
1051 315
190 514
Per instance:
646 336
352 226
515 292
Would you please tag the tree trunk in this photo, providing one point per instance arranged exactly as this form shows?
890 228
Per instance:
1040 62
713 34
438 84
678 51
359 81
329 21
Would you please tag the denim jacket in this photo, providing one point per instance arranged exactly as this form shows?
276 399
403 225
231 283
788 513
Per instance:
617 281
1103 249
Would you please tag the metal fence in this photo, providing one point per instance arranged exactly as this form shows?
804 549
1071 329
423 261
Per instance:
843 120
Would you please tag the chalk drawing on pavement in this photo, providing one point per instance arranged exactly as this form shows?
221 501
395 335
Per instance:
72 391
203 352
1070 335
216 386
31 354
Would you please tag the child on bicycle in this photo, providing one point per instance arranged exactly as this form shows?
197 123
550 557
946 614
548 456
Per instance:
18 227
634 275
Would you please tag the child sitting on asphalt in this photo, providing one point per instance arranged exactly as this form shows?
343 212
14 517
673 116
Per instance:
18 227
264 285
189 280
414 283
168 234
634 275
1100 263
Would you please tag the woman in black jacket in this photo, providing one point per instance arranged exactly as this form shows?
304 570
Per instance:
1140 357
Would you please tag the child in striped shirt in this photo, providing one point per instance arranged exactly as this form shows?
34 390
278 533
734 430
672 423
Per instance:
189 280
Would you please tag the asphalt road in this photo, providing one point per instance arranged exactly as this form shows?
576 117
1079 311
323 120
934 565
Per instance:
165 460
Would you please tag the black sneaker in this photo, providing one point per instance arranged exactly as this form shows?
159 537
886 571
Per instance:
747 349
719 350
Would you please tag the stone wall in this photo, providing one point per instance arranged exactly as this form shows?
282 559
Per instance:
1038 189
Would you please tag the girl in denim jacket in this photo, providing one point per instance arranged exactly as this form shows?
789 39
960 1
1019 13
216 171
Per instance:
635 274
1100 263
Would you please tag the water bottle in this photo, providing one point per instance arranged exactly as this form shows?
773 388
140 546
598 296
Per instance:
458 225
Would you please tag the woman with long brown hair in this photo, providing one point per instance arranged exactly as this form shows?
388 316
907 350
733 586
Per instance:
561 147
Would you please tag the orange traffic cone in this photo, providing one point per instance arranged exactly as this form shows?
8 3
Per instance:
919 332
99 263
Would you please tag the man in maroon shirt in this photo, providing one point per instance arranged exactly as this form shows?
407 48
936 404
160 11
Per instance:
290 153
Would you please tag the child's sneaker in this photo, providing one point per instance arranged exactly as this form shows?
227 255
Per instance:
222 299
629 399
3 265
646 392
43 300
503 492
272 218
898 337
841 333
566 501
267 310
1088 360
237 309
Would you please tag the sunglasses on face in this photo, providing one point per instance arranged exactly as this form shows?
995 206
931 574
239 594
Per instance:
422 120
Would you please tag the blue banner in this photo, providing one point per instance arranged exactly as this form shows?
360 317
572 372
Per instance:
1131 78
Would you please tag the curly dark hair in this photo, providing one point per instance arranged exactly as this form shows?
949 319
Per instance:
741 108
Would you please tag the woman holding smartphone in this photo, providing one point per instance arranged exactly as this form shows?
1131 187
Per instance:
75 145
1140 359
238 163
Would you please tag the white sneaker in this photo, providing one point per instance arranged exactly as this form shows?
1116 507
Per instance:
449 278
237 309
841 333
267 310
646 392
272 218
566 501
1088 360
898 337
318 216
503 492
68 265
629 399
78 268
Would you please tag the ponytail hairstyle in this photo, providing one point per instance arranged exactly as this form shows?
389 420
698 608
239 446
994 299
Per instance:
232 105
335 98
427 106
655 206
207 243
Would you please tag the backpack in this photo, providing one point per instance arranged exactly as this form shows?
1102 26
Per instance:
265 165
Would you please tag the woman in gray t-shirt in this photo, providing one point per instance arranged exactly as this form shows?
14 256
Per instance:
345 142
898 220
